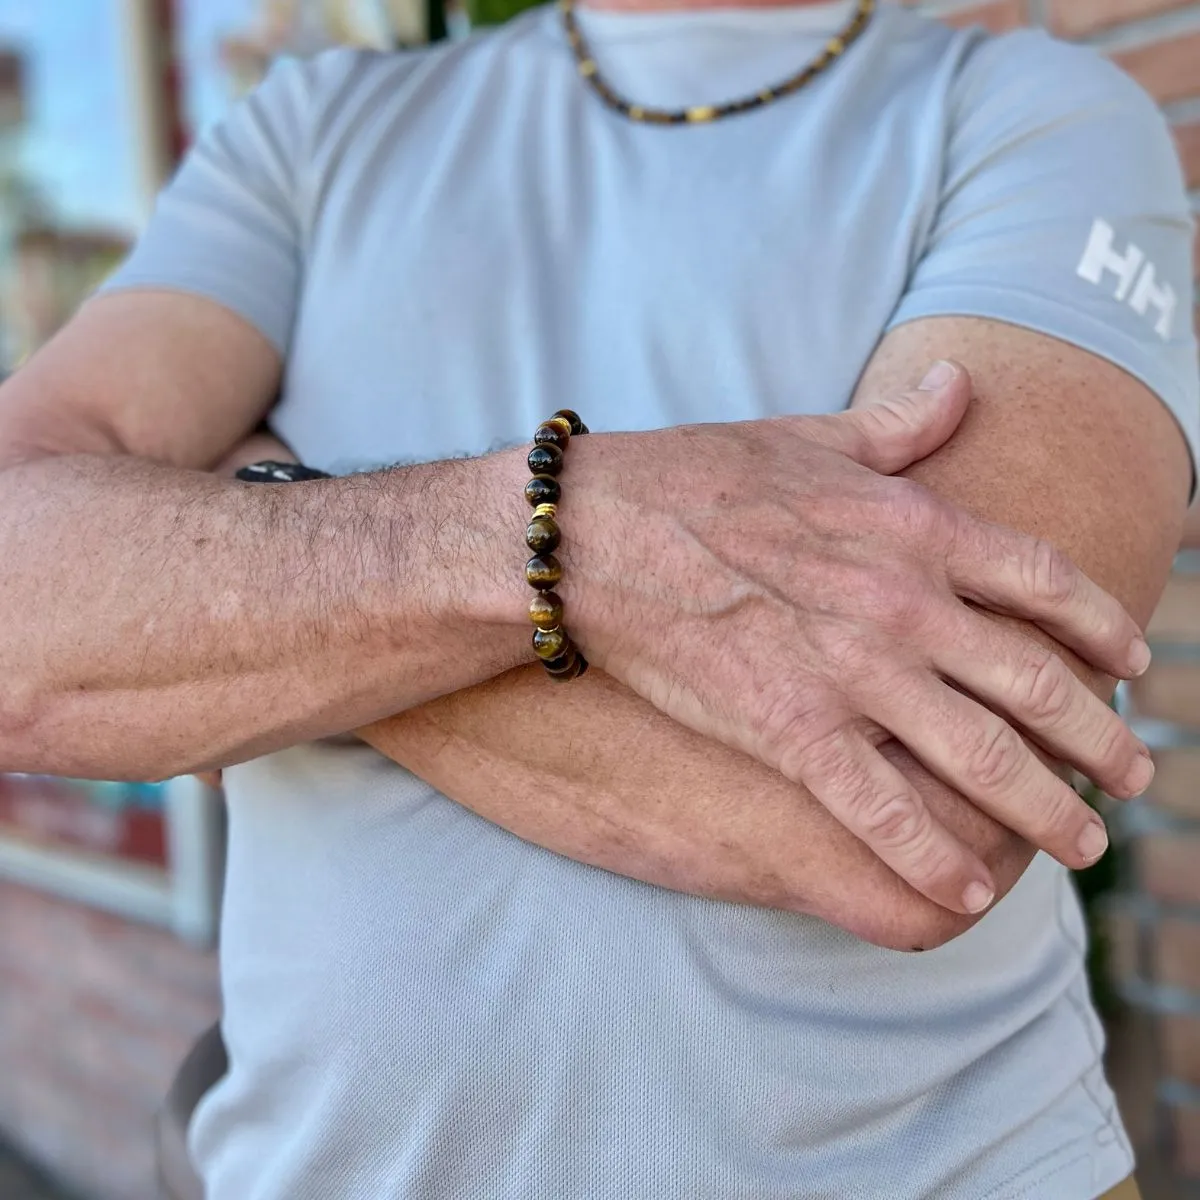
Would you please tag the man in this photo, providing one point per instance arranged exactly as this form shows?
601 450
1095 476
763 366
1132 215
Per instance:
808 676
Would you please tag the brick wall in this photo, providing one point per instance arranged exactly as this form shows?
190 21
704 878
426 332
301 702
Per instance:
95 1015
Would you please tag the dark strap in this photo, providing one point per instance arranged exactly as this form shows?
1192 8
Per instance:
278 472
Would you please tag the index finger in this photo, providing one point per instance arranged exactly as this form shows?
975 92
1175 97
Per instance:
1022 576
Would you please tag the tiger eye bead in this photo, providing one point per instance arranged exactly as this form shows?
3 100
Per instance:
575 666
554 432
543 572
542 489
546 610
572 418
563 661
545 460
550 643
542 535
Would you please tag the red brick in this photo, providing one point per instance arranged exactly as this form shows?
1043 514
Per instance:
1123 933
1177 953
1179 1037
1170 691
1191 526
1185 1128
1176 783
1177 618
1168 69
95 1015
1187 138
996 16
1074 18
1169 866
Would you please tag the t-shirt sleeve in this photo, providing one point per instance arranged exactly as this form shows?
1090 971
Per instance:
229 226
1063 210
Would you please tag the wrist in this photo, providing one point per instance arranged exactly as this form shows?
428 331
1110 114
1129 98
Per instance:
487 594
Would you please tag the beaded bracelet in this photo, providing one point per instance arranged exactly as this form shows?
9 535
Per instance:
550 641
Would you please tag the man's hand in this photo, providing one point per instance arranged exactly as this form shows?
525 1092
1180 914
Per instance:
768 585
657 852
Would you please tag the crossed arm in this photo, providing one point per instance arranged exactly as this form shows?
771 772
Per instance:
1057 443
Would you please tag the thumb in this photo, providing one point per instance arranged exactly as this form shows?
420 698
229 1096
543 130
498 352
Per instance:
889 435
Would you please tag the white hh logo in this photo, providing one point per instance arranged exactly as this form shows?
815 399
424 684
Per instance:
1137 281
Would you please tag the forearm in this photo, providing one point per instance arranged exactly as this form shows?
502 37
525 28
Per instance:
159 620
604 778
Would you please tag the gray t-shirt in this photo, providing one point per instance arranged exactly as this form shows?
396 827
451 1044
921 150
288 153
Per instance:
447 245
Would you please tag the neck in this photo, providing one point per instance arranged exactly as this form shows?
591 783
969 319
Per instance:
649 6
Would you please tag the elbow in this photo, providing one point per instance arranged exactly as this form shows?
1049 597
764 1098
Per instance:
26 700
904 920
44 731
924 927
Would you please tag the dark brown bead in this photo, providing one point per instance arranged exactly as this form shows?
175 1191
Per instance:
571 416
573 670
563 662
545 460
543 489
543 572
550 643
542 535
546 610
554 432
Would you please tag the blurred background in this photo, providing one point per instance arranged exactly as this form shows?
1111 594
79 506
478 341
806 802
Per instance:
109 893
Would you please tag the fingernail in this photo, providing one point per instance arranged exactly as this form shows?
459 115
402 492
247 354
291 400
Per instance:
1093 842
977 897
1140 775
940 374
1139 657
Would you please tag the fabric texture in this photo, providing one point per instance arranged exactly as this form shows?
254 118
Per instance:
447 245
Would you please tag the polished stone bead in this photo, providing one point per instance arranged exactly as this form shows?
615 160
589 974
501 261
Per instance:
550 643
554 432
546 610
542 489
542 535
563 661
543 572
545 460
577 426
575 667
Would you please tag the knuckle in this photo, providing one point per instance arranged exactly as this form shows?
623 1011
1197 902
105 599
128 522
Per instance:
1048 687
1049 573
1060 814
897 601
1115 745
798 733
915 511
998 756
848 657
890 819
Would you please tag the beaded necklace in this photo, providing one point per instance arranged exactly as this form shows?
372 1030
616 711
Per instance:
706 113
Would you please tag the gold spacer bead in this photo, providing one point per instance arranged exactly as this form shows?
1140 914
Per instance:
636 112
701 113
836 46
545 510
587 67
